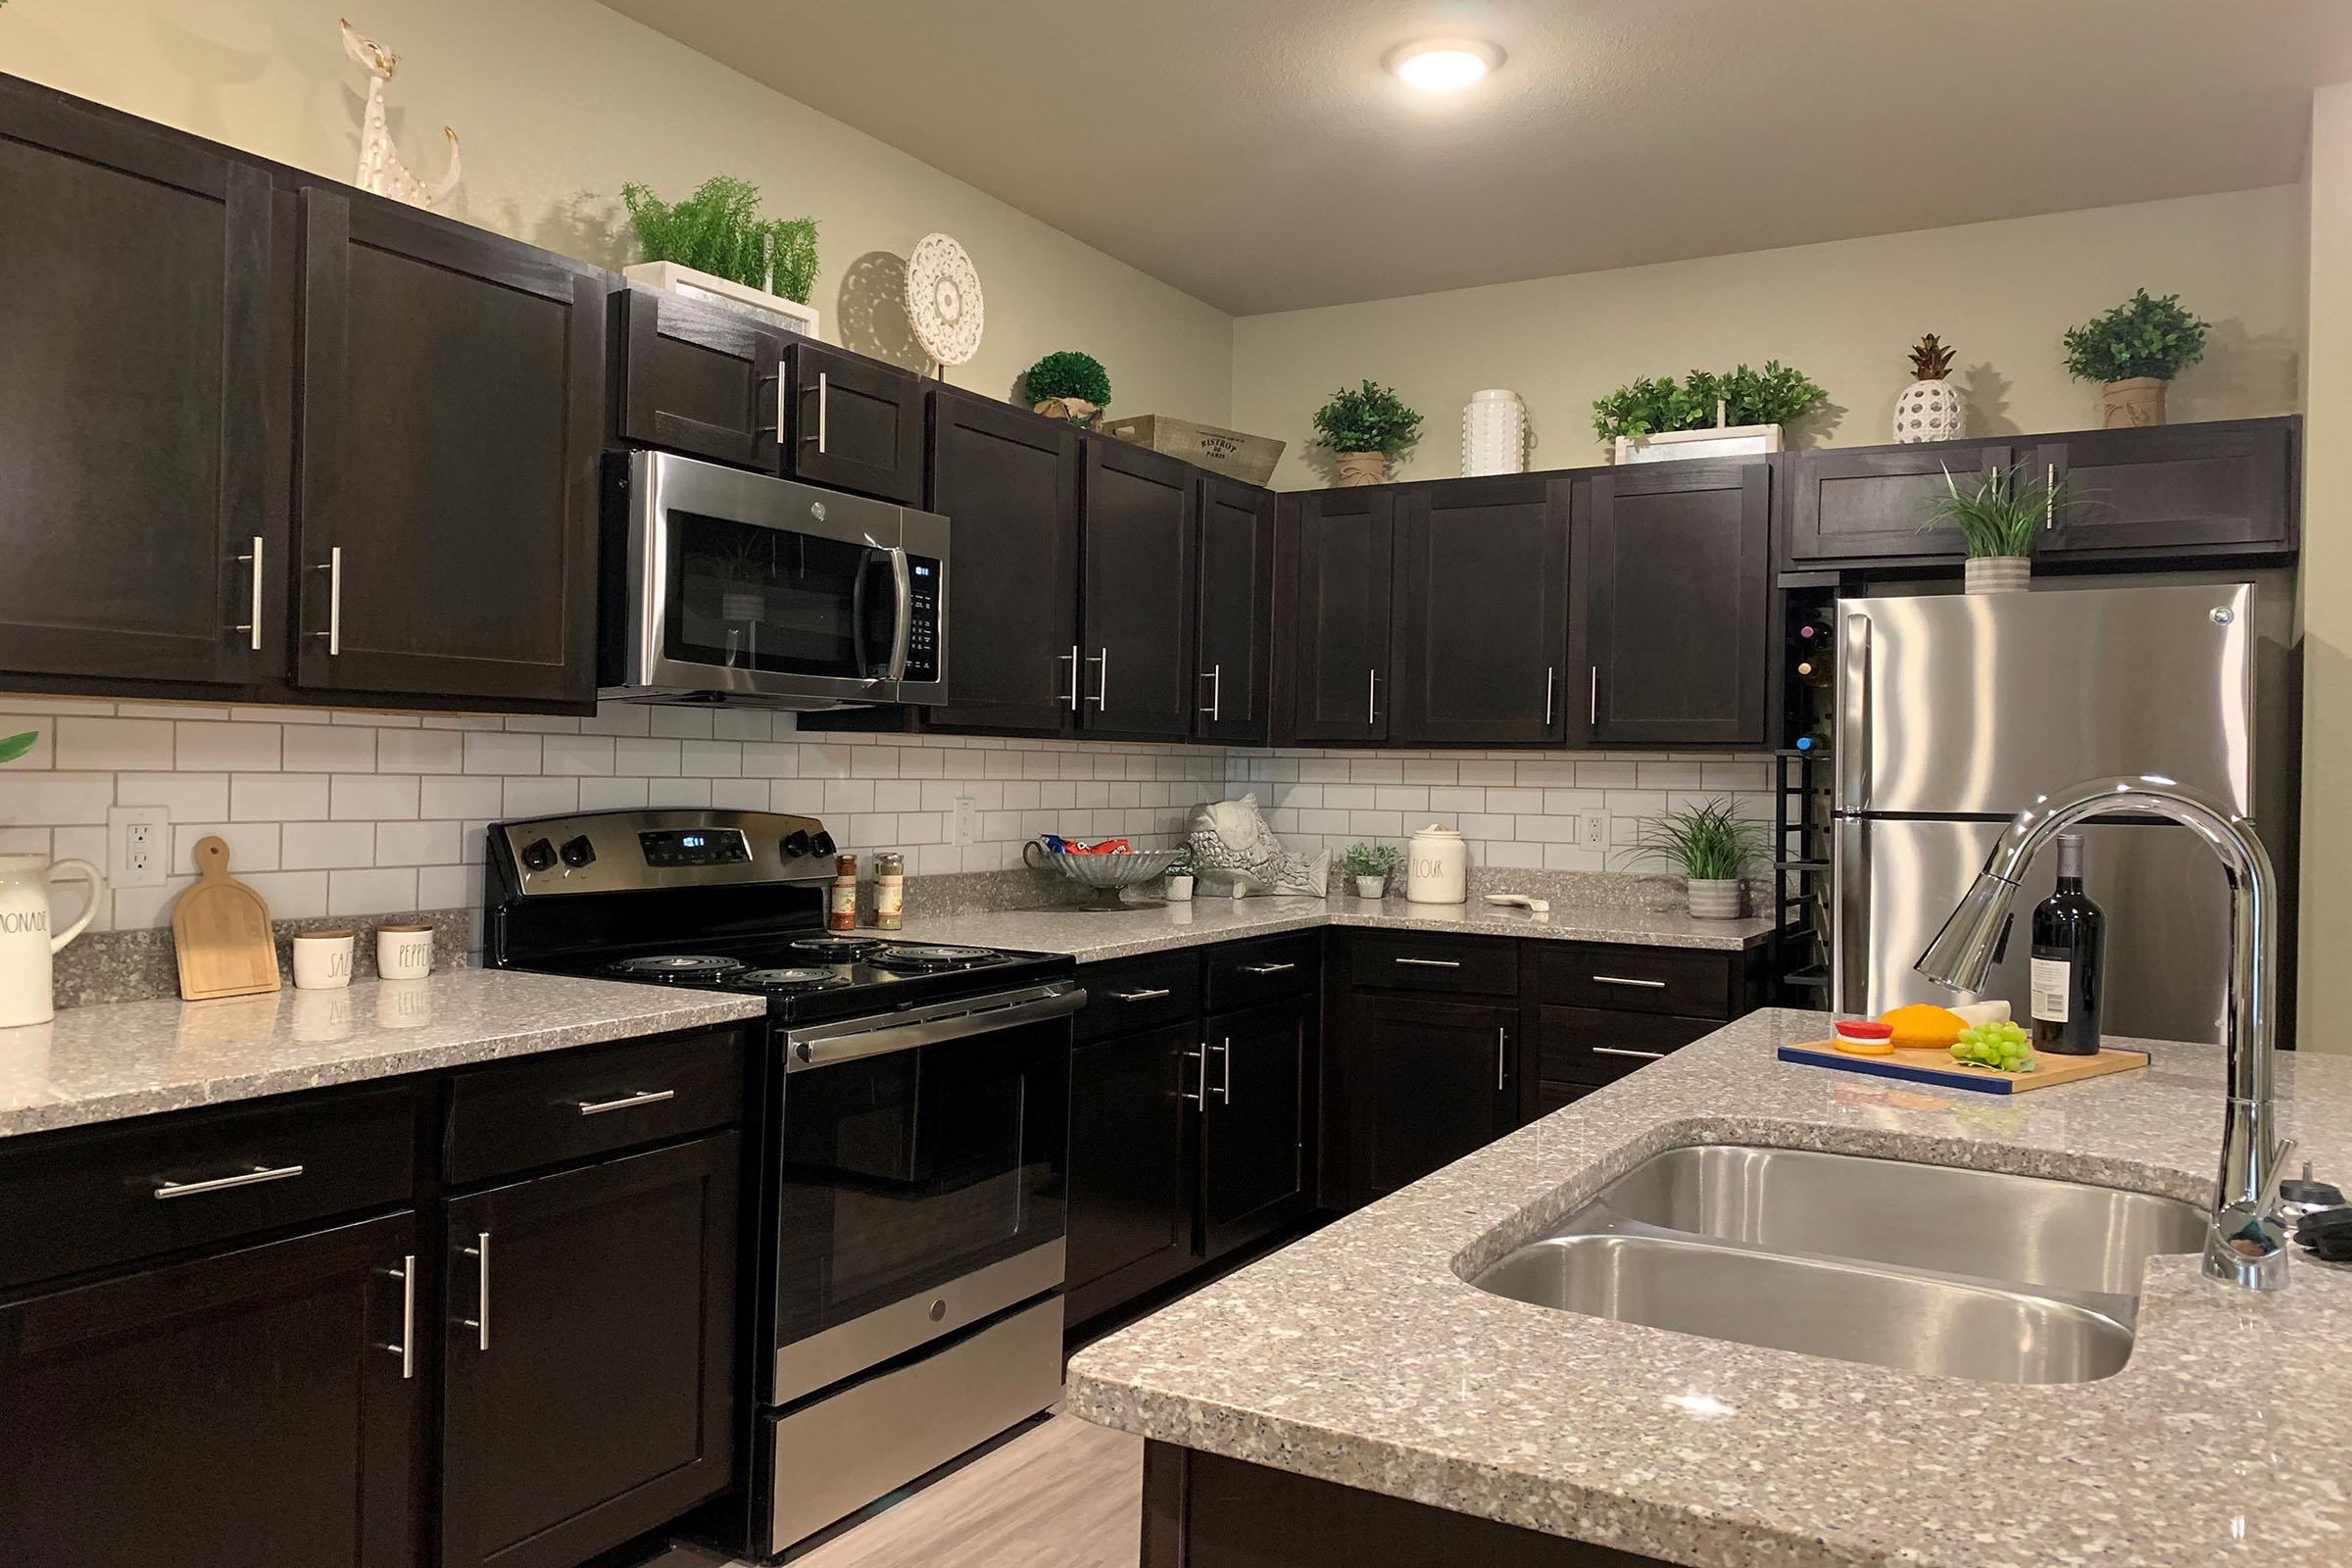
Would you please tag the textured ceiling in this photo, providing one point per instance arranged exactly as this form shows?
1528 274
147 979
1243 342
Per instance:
1254 154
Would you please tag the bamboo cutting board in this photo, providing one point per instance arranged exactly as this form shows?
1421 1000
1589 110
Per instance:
1939 1067
222 929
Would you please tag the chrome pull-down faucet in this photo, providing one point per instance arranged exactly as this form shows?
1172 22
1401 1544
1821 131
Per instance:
2245 1243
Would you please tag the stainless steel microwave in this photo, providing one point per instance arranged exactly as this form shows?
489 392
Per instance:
730 587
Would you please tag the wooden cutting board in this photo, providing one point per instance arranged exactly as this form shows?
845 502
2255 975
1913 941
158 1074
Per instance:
1939 1067
222 929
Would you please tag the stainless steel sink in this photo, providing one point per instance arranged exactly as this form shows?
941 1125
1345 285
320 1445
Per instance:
1927 1268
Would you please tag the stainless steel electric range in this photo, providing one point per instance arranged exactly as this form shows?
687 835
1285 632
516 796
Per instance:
912 1116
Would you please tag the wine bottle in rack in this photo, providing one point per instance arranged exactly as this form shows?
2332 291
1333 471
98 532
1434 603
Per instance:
1815 742
1813 669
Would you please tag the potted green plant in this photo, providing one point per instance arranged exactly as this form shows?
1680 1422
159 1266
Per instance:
1372 865
1067 385
2000 518
1363 428
714 245
1710 846
1180 875
1707 414
2134 352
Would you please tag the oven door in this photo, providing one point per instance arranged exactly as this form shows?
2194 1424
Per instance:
922 1178
749 585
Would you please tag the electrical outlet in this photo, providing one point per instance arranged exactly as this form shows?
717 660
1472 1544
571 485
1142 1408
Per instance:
1593 829
968 821
138 841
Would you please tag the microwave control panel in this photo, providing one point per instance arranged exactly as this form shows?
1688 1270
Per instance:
922 630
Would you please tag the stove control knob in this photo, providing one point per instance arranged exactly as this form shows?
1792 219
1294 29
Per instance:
538 856
579 851
823 844
796 844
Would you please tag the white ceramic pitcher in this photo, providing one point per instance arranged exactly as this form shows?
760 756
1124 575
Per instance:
26 941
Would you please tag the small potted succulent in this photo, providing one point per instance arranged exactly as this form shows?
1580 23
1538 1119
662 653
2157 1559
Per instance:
1710 846
1364 428
1067 385
1180 875
2134 352
714 245
1708 414
1372 865
2000 518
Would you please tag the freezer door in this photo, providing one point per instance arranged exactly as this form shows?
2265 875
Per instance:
1973 704
2166 898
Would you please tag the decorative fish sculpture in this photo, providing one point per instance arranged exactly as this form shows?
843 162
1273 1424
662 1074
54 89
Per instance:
1233 850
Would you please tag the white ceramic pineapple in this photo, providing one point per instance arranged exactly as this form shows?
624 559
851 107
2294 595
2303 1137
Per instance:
1931 408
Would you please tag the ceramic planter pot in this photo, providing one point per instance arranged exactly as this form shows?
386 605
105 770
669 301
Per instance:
1180 888
1362 467
1712 899
1372 887
1999 575
2137 402
1930 410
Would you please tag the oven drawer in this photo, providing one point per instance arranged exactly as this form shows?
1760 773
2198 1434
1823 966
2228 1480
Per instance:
1128 995
1674 980
1246 973
91 1200
520 1115
1407 960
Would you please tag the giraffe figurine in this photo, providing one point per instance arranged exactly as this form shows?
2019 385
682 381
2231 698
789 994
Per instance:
380 168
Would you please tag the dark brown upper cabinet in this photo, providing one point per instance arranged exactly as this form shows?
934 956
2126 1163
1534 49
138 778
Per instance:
452 407
1139 536
1235 624
1336 562
1673 563
695 379
2218 489
1482 608
143 536
1846 507
1008 482
854 423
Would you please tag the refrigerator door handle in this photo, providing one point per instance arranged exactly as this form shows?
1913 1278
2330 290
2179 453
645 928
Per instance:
1853 742
1850 918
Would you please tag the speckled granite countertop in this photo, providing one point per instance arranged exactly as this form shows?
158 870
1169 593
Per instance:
1093 935
136 1059
1360 1354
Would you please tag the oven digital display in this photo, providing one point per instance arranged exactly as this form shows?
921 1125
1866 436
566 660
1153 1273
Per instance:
700 846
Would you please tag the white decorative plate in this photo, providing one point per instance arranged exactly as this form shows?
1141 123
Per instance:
943 299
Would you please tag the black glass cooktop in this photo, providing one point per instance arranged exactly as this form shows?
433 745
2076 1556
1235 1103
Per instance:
826 976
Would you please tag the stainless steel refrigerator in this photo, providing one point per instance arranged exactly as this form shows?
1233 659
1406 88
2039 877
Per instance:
1955 712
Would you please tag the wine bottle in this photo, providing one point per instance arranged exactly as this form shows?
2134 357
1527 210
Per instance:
1815 742
1814 670
2070 952
1814 636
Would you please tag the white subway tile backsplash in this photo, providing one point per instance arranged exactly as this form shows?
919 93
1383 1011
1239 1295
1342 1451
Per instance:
323 845
708 758
373 796
252 846
112 743
322 748
654 758
677 791
680 723
461 796
612 794
372 892
415 843
419 751
739 793
278 797
741 724
187 796
542 797
41 726
498 752
577 754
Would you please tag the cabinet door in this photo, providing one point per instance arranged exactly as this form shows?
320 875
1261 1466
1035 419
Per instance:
134 416
260 1408
854 424
1131 1183
1875 504
1236 620
452 391
1139 547
590 1377
697 378
1481 590
1674 563
1429 1082
1339 562
1008 483
1255 1122
2179 489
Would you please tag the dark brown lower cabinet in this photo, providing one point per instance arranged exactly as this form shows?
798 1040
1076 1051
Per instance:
588 1355
1253 1123
1131 1209
258 1409
1434 1081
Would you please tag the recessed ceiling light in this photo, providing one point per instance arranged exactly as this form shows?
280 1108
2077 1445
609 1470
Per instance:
1445 64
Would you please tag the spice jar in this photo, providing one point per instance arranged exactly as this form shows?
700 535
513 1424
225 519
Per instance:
890 891
841 905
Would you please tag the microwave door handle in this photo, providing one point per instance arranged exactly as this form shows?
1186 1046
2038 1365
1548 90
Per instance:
903 582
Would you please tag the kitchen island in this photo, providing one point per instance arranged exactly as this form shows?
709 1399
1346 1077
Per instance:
1361 1357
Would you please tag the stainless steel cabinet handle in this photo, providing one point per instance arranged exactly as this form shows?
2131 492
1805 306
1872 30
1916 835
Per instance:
1267 968
252 625
823 412
1146 993
1101 697
1215 676
1431 963
1592 696
1551 679
479 1251
1225 1078
1502 1045
222 1184
649 1096
1371 697
2049 500
1628 1050
1072 696
334 599
1200 1095
406 1349
1621 980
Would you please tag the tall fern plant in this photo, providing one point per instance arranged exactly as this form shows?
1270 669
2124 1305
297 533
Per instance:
718 229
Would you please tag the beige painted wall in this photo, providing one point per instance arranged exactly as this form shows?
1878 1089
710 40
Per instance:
2326 916
561 101
1845 312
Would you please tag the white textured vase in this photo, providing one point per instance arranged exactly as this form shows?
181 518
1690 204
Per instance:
1997 574
1930 410
1712 899
1494 432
